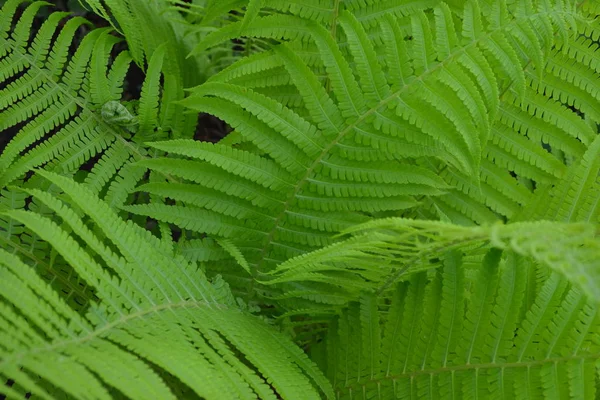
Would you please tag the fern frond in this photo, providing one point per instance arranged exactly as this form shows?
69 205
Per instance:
150 93
576 196
134 259
380 252
324 12
507 53
67 110
346 139
62 97
252 10
442 339
144 291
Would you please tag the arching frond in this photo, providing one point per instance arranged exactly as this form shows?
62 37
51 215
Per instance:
155 311
501 64
66 109
359 141
446 333
381 252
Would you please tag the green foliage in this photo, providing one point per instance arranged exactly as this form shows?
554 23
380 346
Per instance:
153 307
408 205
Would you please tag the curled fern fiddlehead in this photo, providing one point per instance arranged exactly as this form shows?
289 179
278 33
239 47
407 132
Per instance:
113 112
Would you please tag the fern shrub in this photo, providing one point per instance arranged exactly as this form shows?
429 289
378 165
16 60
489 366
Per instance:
408 205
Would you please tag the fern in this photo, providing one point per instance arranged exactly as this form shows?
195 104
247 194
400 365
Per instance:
436 339
375 143
381 252
515 137
62 107
407 206
197 323
462 325
575 197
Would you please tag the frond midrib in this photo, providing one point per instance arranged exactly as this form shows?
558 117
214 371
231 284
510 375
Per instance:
467 367
43 72
56 345
393 96
107 128
21 250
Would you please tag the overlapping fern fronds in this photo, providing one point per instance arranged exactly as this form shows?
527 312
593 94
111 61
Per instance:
467 112
376 135
464 321
494 333
382 252
66 108
427 309
147 25
60 107
532 90
154 312
576 197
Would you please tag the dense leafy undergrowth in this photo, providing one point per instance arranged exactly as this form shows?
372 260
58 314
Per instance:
407 205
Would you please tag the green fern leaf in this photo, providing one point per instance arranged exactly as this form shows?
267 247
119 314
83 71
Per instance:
149 292
380 252
432 333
